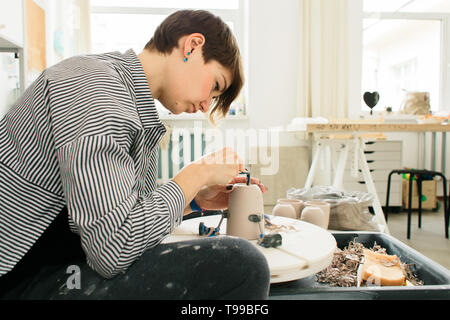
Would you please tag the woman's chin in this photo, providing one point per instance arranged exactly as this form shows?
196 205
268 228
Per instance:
174 110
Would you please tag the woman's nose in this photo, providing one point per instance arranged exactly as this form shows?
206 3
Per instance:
205 104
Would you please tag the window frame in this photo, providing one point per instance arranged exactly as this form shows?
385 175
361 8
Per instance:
444 19
234 15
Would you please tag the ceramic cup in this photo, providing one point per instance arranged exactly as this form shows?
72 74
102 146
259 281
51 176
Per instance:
297 204
314 215
284 210
322 205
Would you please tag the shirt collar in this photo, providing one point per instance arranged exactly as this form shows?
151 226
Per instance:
145 103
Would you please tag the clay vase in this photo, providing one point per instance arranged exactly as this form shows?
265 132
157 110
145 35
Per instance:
245 200
297 204
284 210
324 207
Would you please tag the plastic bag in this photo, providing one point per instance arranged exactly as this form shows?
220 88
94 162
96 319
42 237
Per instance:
348 210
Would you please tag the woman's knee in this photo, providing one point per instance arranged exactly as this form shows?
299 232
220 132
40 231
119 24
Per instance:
252 266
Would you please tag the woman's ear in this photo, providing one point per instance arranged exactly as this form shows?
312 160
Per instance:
193 42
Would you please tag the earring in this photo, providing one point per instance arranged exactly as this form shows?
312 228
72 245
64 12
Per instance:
185 59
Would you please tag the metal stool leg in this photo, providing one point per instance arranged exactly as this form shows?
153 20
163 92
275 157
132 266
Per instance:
446 205
446 211
408 230
386 211
419 191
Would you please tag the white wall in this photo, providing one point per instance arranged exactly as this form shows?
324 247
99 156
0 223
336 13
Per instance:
11 20
272 63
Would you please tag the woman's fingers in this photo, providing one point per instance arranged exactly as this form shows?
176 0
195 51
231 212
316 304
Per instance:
241 179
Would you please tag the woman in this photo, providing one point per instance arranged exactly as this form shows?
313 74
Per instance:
79 149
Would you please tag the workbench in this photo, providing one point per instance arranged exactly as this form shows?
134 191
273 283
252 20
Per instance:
351 136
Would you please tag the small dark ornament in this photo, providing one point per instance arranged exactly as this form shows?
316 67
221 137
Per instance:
371 99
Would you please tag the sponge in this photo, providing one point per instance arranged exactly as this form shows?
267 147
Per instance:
382 269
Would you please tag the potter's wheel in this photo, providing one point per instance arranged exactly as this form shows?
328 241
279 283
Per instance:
306 249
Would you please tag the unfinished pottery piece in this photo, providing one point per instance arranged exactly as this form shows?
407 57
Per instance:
284 210
297 204
325 206
321 220
245 200
315 216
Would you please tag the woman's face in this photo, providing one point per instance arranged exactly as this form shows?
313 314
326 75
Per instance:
190 86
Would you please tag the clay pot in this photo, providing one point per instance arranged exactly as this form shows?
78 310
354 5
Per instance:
284 210
297 204
321 220
245 200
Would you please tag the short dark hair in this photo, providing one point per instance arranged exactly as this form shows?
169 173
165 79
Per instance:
220 45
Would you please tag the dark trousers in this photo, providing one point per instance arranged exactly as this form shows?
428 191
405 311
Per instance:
208 268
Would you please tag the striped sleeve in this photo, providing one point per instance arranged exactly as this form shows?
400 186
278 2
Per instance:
85 135
100 149
115 224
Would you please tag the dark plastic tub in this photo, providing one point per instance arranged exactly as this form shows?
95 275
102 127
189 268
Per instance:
436 278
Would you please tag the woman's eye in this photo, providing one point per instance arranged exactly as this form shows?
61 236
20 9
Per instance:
216 87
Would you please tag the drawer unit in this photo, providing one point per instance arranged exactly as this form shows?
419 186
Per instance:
382 158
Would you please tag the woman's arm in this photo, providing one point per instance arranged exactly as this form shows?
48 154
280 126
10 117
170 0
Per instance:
115 222
215 168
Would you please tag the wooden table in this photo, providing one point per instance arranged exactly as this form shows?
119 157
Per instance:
376 127
355 141
365 126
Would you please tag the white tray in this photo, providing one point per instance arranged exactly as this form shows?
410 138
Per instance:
305 250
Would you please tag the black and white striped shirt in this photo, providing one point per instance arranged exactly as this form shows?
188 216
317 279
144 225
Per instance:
85 135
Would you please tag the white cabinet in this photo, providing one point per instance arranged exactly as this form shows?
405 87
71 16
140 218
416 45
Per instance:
11 24
382 158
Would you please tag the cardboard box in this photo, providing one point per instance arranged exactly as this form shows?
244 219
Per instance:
428 194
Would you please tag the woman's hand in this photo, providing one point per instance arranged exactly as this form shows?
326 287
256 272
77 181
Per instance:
208 177
221 166
216 197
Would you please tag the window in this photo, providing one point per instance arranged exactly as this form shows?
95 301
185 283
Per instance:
405 49
118 25
9 80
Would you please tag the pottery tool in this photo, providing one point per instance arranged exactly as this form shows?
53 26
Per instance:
272 240
247 173
210 232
